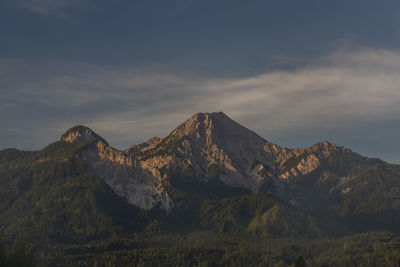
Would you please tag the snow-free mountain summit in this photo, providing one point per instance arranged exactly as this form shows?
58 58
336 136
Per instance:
211 146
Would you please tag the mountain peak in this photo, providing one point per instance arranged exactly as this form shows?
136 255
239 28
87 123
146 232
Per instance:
79 134
209 123
216 138
213 115
205 117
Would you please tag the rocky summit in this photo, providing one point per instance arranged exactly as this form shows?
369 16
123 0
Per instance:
207 146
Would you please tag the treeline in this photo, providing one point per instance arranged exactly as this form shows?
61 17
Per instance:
218 249
19 257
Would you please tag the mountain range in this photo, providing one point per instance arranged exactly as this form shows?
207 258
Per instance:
209 174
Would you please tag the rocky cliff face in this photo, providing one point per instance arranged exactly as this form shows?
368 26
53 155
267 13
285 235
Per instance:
206 146
211 144
129 178
79 134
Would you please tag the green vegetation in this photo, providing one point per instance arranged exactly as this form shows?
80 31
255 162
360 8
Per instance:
190 193
67 216
213 171
47 198
19 257
206 248
11 154
259 214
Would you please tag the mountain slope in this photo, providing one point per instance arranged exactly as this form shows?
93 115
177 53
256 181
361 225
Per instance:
259 214
206 146
80 186
212 147
49 196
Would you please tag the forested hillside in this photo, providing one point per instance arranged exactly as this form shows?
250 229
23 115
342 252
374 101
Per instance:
204 195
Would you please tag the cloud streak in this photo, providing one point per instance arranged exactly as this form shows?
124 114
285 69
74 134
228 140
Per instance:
49 7
348 98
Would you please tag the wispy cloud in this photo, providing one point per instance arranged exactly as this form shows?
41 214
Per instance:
49 7
348 98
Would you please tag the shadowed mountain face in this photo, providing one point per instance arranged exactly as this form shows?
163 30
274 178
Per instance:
212 147
207 146
208 173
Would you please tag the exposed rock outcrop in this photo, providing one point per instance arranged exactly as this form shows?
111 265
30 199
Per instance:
206 146
80 134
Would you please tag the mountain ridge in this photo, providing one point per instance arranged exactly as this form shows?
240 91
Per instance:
206 146
211 147
209 174
198 141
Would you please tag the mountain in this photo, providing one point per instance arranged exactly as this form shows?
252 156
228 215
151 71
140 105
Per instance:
49 195
206 146
208 174
211 146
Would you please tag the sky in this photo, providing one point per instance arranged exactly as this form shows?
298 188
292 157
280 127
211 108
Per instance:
295 72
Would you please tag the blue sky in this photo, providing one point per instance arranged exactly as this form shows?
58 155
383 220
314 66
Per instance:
296 72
